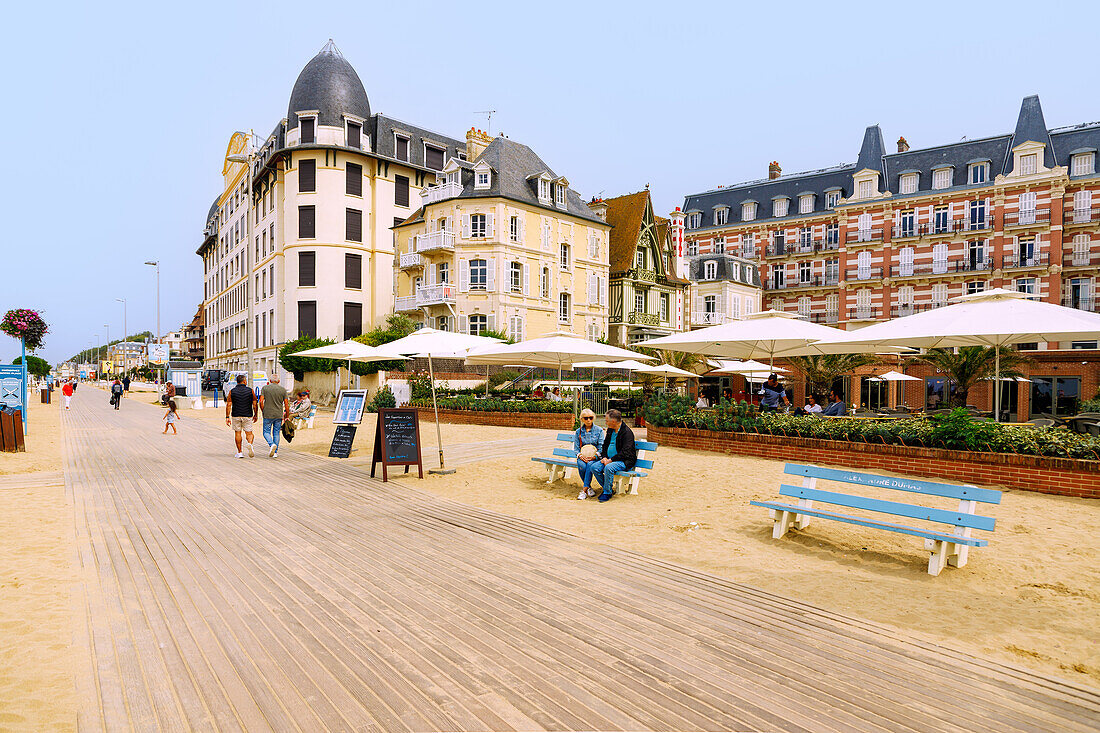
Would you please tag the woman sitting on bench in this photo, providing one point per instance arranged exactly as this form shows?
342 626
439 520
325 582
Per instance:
587 441
300 407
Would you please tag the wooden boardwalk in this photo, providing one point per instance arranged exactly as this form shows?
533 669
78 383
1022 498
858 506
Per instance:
297 594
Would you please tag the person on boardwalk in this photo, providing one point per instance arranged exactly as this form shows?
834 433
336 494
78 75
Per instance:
170 418
116 393
275 406
587 441
240 414
125 384
67 393
619 453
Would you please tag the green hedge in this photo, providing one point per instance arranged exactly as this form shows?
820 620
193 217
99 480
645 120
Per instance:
466 402
955 430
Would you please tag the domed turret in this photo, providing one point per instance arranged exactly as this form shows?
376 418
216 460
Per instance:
328 84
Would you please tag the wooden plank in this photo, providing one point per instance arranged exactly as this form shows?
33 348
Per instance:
919 486
912 511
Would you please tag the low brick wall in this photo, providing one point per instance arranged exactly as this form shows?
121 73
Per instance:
1063 476
545 420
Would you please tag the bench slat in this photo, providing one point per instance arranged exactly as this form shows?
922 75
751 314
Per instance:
643 463
959 519
565 452
952 491
555 462
876 524
644 445
565 436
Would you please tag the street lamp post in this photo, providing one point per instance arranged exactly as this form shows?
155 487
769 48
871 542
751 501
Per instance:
156 336
125 332
106 342
249 296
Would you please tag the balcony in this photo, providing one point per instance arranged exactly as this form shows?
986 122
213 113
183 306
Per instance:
410 261
1083 216
908 309
641 318
1082 304
439 193
709 318
826 317
1031 217
907 231
862 314
867 235
973 265
830 245
865 273
647 276
748 253
977 225
437 240
778 250
815 281
425 296
1078 259
1016 261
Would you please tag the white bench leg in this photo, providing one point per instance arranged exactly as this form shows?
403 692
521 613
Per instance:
634 485
782 522
801 521
940 551
958 555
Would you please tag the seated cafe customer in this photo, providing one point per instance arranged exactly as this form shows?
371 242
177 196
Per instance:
812 408
587 441
619 452
301 405
836 405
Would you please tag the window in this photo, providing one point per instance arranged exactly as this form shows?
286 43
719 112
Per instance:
804 305
564 260
832 234
353 185
832 271
1084 164
804 270
779 276
353 135
905 261
544 282
832 198
443 323
864 228
939 258
305 129
307 318
908 224
515 277
975 286
559 191
941 178
1081 245
353 320
433 157
1055 396
1026 285
1028 164
905 297
664 305
866 189
940 219
477 226
515 328
479 274
748 211
639 302
805 238
353 225
443 272
1082 207
779 207
979 172
307 176
353 271
719 245
482 180
863 265
401 190
694 220
544 190
710 270
832 304
908 183
805 203
1025 251
721 216
563 308
401 148
479 324
710 304
692 247
307 222
1027 207
593 246
513 229
977 214
779 240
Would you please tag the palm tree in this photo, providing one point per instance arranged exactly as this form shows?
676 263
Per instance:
821 370
968 365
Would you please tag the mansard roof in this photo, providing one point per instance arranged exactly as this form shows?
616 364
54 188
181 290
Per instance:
764 190
384 129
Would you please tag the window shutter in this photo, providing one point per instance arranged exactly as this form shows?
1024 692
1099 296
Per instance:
353 224
490 274
307 222
603 291
522 328
307 269
307 176
307 318
353 320
401 190
491 321
353 272
354 184
463 279
490 226
462 327
522 226
526 280
305 129
353 134
465 226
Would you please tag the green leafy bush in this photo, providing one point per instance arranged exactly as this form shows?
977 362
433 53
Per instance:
382 398
508 375
298 365
469 402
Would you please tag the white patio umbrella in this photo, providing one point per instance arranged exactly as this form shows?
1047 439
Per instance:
751 366
562 349
994 318
892 376
349 351
631 365
666 370
435 344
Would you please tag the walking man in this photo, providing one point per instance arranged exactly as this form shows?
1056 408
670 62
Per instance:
619 452
240 414
275 405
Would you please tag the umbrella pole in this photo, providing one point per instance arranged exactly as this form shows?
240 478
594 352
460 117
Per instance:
438 435
996 384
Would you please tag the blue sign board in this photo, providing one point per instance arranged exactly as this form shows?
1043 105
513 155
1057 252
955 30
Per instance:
11 387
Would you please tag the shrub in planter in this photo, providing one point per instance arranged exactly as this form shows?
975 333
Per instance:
472 404
382 398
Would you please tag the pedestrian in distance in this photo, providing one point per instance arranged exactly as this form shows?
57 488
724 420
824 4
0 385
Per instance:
67 393
170 418
240 414
125 385
116 393
275 407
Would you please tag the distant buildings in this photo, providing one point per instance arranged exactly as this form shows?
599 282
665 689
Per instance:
126 355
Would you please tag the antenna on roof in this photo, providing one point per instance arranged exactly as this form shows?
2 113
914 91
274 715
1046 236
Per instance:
489 124
330 48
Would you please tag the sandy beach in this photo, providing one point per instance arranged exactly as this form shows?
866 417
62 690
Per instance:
1031 597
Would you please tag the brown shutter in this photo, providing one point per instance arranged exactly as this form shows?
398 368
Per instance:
433 157
353 320
354 186
307 318
400 190
353 271
402 148
353 134
307 176
307 269
306 126
307 222
353 225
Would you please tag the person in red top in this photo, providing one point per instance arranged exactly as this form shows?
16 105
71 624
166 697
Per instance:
67 393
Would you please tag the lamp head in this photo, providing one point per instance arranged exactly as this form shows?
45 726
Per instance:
154 263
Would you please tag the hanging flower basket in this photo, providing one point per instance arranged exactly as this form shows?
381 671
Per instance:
23 323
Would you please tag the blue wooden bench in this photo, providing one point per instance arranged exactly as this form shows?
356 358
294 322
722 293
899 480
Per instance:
948 547
566 458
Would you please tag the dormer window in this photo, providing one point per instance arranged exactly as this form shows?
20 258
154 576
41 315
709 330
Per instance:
434 157
721 215
866 189
710 270
482 178
694 220
559 194
908 183
1084 164
805 203
353 134
979 172
748 211
832 198
779 207
307 130
941 178
544 191
1029 164
401 147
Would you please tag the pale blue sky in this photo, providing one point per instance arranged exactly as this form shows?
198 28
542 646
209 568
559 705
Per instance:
116 120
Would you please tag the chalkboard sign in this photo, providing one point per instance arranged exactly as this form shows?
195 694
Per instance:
397 441
341 441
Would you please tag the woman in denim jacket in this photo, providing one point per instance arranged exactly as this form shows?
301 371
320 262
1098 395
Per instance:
589 433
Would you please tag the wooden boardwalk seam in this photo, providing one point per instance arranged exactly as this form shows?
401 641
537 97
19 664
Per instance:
298 594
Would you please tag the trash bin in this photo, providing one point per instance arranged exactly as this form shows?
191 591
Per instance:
45 396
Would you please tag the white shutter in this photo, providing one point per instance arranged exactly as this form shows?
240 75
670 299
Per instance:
490 225
522 328
721 304
545 234
603 292
490 274
462 328
463 277
522 225
465 226
526 280
491 321
589 297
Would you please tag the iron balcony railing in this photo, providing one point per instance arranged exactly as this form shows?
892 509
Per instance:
815 281
1018 260
1084 216
973 265
868 235
426 295
1078 259
865 273
1084 304
1027 217
905 231
824 317
909 309
709 318
862 314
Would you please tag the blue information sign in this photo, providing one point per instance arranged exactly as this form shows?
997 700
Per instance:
11 388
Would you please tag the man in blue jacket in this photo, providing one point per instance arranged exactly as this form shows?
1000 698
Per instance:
836 405
619 453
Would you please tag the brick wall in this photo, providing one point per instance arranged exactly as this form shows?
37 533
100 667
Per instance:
1063 476
545 420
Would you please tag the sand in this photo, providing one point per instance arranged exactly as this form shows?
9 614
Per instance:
37 576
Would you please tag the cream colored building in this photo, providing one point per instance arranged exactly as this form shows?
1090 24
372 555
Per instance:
503 244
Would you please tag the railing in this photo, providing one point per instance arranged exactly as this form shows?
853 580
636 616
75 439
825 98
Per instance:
864 273
778 250
969 265
921 269
815 281
907 231
649 276
826 317
830 246
1027 218
910 308
426 295
709 318
643 319
438 193
1084 216
868 235
862 314
1083 259
748 253
1084 304
440 239
1036 259
411 259
985 222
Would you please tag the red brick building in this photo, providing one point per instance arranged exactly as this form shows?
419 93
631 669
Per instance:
895 233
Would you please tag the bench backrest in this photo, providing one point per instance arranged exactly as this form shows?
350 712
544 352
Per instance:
967 495
641 446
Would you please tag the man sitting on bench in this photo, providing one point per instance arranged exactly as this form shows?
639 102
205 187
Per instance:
618 451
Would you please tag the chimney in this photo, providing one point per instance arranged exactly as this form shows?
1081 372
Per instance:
774 171
476 142
599 208
903 145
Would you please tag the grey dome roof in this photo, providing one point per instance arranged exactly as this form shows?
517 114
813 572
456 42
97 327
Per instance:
213 210
329 84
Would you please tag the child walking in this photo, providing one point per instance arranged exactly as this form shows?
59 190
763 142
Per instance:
170 418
